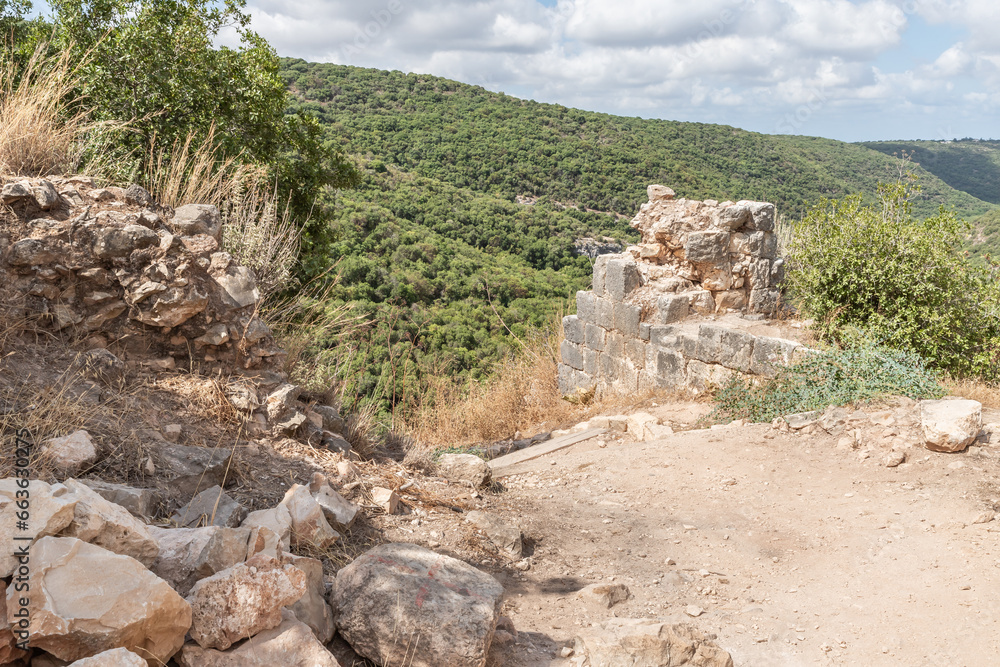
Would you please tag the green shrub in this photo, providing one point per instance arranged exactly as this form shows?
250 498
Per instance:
874 274
828 378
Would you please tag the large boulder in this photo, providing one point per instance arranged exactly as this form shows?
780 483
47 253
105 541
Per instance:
950 425
84 600
116 657
403 604
50 512
107 525
647 643
466 468
291 644
187 555
243 600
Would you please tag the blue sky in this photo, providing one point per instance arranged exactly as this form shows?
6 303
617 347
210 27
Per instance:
850 70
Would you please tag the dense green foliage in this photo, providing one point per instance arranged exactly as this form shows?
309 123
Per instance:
875 273
972 166
828 378
497 144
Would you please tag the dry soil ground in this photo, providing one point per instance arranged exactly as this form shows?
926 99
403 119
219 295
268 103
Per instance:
798 553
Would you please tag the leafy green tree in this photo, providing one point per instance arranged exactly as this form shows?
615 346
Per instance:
873 273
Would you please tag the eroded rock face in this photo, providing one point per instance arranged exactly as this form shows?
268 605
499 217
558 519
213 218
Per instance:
8 643
647 643
312 608
291 644
85 600
950 425
241 601
309 525
397 592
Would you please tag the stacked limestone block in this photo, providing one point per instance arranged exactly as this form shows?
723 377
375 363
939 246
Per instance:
696 258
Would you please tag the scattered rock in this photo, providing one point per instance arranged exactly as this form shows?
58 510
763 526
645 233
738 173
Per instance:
604 595
291 644
893 459
339 512
239 602
116 657
281 400
505 536
395 592
277 519
100 522
211 507
140 502
984 517
50 510
950 425
332 421
45 195
187 555
309 525
693 610
312 608
71 453
84 600
647 643
802 419
101 365
15 192
466 468
191 469
387 499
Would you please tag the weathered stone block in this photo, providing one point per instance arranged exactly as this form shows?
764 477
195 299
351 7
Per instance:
716 277
687 345
658 192
702 302
760 274
704 377
771 353
627 319
595 337
628 378
668 371
672 308
764 301
572 355
777 272
707 247
663 336
600 274
573 330
733 217
572 380
644 328
610 367
615 345
635 352
762 216
763 245
730 300
719 345
591 362
622 277
605 314
586 306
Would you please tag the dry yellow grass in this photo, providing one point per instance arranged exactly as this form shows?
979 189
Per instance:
986 393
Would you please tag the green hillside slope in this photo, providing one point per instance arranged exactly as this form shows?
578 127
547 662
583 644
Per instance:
493 143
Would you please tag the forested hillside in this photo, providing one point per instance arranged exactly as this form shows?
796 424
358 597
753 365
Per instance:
494 143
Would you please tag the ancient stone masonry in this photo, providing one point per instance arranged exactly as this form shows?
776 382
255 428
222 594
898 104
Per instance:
108 261
669 313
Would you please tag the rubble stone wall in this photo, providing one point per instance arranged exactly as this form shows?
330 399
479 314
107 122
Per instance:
637 329
109 262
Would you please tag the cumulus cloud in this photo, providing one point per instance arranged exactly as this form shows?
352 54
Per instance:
744 62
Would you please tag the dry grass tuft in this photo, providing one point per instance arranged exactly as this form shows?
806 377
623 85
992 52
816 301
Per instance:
360 430
205 397
986 393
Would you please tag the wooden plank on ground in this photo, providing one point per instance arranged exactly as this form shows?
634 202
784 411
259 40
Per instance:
505 465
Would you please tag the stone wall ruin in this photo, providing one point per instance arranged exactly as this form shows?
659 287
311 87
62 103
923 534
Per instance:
673 311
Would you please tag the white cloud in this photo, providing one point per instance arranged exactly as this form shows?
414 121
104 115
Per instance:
742 62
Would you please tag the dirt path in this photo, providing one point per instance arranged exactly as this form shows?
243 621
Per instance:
798 552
